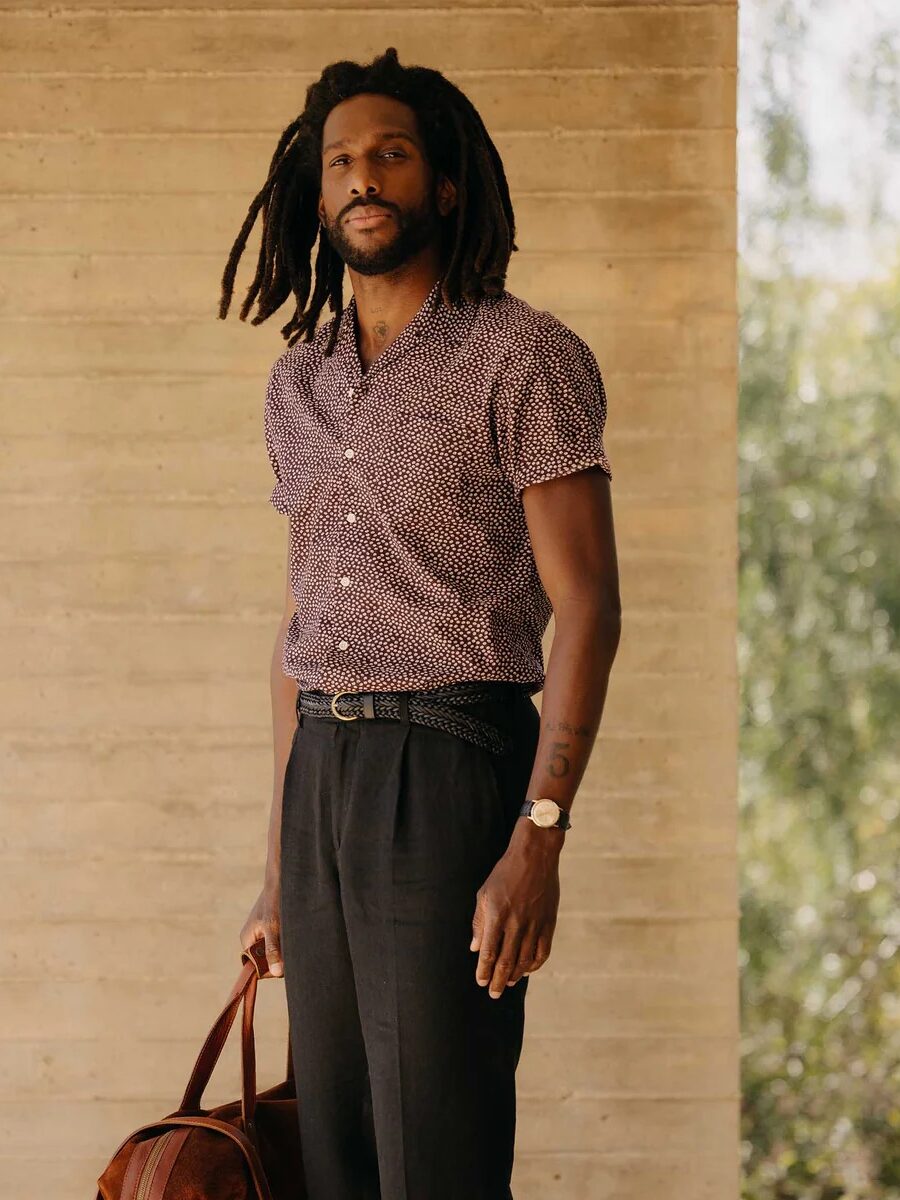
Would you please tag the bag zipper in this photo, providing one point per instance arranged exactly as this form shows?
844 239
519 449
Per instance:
142 1191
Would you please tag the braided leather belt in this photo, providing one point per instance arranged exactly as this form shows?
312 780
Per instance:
438 707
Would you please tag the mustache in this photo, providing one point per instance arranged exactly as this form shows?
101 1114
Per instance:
364 204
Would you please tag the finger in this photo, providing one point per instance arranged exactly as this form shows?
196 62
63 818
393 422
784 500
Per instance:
477 923
507 958
249 938
492 936
526 957
273 953
541 954
251 941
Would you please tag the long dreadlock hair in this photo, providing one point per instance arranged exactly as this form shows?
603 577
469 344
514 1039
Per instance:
478 235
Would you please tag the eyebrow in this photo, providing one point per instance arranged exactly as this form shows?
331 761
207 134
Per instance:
393 133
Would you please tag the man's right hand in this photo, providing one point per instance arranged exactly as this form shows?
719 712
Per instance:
264 922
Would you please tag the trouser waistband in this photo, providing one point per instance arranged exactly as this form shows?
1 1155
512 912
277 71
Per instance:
441 707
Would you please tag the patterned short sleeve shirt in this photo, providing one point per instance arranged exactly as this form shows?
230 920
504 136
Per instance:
409 555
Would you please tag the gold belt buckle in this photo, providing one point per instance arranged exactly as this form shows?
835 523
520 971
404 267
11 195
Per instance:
342 716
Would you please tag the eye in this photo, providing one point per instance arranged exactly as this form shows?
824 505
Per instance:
342 158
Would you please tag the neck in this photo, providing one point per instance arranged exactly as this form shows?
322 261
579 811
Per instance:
385 304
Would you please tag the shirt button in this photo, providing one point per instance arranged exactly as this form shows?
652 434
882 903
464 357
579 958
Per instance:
350 393
342 645
351 517
345 581
348 453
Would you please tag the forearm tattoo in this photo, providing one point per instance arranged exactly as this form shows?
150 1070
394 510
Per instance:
558 763
558 759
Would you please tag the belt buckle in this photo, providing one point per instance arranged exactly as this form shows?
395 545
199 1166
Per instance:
342 716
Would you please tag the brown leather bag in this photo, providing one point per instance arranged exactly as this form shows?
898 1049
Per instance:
248 1148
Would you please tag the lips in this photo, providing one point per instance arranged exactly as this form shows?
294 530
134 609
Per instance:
368 216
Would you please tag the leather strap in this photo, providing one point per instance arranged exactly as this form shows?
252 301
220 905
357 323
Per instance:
254 967
175 1139
139 1156
215 1040
248 1062
441 708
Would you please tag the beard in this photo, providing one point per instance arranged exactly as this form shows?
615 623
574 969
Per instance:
413 231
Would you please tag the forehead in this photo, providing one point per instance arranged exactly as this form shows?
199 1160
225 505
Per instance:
368 117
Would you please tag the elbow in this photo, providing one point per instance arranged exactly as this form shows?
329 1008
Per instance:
598 614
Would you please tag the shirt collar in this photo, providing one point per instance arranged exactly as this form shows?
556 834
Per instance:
433 321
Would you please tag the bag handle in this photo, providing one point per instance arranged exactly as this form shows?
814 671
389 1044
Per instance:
257 955
253 968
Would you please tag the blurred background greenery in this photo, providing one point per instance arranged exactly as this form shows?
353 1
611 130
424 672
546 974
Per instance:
819 194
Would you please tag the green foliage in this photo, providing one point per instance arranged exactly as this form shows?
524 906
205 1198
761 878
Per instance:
820 776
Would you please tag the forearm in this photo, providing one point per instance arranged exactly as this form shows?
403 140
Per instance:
284 722
585 642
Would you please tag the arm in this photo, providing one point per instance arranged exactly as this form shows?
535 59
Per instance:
264 919
284 722
571 530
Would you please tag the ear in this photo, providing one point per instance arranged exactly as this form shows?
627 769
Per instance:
321 208
446 195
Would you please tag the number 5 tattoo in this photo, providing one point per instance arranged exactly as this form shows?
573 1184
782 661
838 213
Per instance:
558 763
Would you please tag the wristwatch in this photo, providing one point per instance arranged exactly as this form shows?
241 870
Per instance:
546 813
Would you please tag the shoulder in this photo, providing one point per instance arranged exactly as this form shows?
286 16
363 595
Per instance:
529 344
525 333
297 364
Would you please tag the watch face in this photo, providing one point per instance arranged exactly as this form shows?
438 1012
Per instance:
545 812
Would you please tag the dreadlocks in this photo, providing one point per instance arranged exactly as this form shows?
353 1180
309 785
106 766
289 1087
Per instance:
477 235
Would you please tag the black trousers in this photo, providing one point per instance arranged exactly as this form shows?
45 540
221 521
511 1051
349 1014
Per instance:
405 1066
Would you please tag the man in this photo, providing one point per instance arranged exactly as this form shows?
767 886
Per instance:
437 448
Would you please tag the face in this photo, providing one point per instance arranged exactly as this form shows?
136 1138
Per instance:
380 202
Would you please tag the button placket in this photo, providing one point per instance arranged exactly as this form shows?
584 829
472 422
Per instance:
345 582
349 516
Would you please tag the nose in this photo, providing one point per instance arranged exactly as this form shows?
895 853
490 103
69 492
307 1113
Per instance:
363 180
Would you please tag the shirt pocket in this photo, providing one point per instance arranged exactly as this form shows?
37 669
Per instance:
443 446
417 411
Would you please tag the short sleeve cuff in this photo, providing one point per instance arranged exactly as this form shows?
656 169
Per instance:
283 496
552 414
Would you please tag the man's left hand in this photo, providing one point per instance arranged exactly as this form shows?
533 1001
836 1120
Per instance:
516 908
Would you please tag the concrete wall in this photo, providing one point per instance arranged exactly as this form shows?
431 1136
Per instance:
143 566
